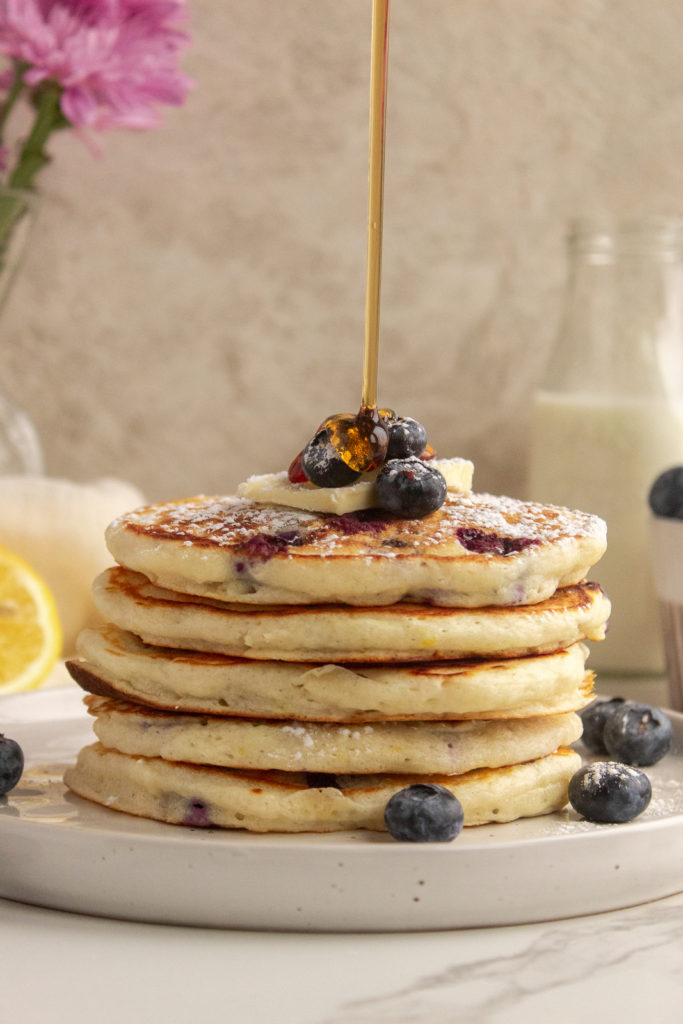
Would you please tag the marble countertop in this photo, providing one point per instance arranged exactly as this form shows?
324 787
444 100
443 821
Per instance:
623 965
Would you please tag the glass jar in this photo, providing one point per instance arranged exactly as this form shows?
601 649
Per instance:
20 448
608 416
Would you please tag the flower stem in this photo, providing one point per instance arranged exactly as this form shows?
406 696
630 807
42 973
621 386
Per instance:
14 93
33 157
13 208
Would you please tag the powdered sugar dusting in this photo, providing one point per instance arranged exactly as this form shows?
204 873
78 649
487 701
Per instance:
667 799
231 522
599 773
301 733
666 802
223 520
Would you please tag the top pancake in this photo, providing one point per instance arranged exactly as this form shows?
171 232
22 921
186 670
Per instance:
475 550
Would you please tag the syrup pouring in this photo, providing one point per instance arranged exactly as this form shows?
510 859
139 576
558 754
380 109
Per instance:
346 446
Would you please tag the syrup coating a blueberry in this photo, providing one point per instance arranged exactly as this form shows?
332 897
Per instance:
424 813
666 494
11 764
637 734
345 447
608 792
323 465
360 440
410 488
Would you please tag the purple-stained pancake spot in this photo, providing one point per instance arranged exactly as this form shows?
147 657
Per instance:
265 545
365 521
483 542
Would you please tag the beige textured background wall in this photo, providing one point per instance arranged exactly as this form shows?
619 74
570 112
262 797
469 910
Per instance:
192 304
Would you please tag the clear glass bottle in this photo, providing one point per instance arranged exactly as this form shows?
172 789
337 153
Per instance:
20 448
608 416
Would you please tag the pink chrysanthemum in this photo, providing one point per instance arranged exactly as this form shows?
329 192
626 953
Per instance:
115 60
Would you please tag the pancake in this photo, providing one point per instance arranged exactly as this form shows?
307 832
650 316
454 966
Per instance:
323 632
117 663
449 748
199 796
474 551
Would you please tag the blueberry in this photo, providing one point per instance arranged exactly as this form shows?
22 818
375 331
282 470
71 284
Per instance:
197 814
637 734
666 494
609 792
11 764
406 437
424 813
323 465
410 488
594 718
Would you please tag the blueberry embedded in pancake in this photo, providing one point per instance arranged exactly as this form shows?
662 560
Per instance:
475 550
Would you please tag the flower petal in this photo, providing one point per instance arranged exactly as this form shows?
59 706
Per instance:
117 60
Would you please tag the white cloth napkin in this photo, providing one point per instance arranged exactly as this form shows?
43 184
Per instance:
57 526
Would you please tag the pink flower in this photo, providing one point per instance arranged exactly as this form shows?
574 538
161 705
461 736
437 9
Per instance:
115 60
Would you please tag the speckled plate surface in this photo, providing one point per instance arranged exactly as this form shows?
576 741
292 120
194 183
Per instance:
59 851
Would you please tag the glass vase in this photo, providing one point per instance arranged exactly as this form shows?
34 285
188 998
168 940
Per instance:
20 449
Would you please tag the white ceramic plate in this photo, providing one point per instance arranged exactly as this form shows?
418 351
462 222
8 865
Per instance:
59 851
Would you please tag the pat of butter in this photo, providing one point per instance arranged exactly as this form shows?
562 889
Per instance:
276 489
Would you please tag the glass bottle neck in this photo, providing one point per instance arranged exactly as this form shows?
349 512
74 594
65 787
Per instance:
622 328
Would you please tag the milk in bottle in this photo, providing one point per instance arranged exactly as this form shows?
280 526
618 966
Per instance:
609 415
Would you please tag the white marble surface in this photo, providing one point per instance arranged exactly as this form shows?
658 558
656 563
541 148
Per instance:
622 966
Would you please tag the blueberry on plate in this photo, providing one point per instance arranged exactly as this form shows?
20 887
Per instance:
11 764
323 465
410 488
637 734
406 437
424 813
608 792
594 717
666 494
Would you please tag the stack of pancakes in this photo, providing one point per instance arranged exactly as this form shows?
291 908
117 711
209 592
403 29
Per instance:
275 669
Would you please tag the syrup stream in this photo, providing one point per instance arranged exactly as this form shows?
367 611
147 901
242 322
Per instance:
361 441
378 102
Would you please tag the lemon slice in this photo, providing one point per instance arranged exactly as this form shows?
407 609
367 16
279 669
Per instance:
30 634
